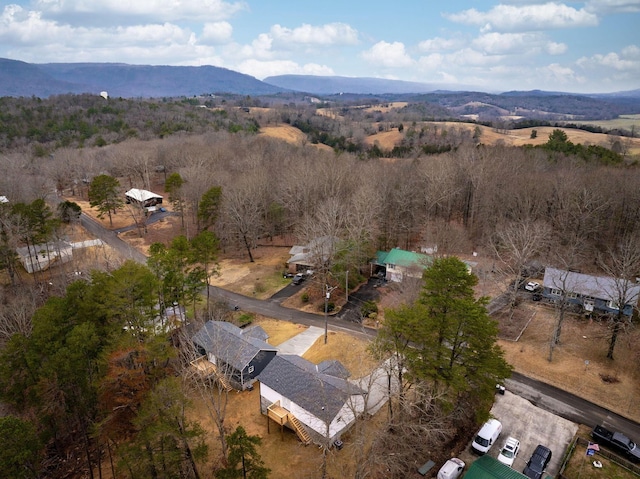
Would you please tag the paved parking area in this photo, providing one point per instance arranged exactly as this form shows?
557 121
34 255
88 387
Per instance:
531 426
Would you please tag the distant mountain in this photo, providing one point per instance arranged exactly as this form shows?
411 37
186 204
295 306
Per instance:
23 79
330 85
123 80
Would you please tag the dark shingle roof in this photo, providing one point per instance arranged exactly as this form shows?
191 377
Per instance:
230 343
299 380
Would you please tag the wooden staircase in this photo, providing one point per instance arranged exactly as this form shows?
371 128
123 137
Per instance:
299 429
223 381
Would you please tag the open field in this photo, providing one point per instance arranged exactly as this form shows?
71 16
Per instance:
623 121
489 136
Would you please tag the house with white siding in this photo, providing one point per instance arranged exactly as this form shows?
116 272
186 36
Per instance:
315 400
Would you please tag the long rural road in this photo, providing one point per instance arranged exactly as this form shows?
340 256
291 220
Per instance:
545 396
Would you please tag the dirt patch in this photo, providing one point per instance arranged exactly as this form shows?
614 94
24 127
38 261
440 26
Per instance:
260 279
512 325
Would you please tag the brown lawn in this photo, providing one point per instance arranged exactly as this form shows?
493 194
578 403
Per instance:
386 140
288 133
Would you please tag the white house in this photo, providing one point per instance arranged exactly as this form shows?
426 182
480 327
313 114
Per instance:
143 198
295 391
42 256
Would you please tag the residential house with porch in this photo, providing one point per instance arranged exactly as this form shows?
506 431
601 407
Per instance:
232 355
589 293
315 400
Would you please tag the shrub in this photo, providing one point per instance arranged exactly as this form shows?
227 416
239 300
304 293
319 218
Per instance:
305 297
368 308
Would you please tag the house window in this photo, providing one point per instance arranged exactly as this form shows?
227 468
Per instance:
391 265
572 295
612 304
250 369
556 292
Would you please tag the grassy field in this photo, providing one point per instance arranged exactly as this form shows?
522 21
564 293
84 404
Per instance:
623 122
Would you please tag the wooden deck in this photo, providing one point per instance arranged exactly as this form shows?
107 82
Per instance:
206 368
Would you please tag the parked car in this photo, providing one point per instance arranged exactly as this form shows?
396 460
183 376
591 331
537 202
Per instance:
487 436
451 469
532 286
537 463
618 441
509 451
298 278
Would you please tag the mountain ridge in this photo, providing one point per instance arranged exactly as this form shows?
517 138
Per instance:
18 78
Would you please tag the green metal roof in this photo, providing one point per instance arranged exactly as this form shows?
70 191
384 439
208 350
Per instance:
486 467
401 257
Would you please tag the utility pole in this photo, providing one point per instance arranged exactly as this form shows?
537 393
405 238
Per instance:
326 307
346 286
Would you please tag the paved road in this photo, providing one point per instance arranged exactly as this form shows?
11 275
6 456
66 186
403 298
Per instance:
550 398
570 406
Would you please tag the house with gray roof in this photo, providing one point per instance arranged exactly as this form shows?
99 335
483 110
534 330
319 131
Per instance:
312 255
239 355
294 390
41 257
590 293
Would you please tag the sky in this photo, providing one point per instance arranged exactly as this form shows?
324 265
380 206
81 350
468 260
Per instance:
574 46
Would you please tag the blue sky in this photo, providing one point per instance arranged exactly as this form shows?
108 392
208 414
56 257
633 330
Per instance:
576 46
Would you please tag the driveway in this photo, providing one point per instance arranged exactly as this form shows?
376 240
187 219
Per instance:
531 426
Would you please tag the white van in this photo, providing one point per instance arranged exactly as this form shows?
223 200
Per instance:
487 436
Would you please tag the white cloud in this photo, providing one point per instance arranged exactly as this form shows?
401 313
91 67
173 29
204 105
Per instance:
609 61
262 70
216 33
512 18
559 77
609 7
631 51
439 44
157 10
389 55
329 34
495 43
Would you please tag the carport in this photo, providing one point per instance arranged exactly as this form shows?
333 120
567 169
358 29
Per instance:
486 467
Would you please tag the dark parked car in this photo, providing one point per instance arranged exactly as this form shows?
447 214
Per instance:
538 462
298 278
616 440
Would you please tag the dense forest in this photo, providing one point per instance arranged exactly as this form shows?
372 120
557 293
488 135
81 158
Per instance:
81 369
